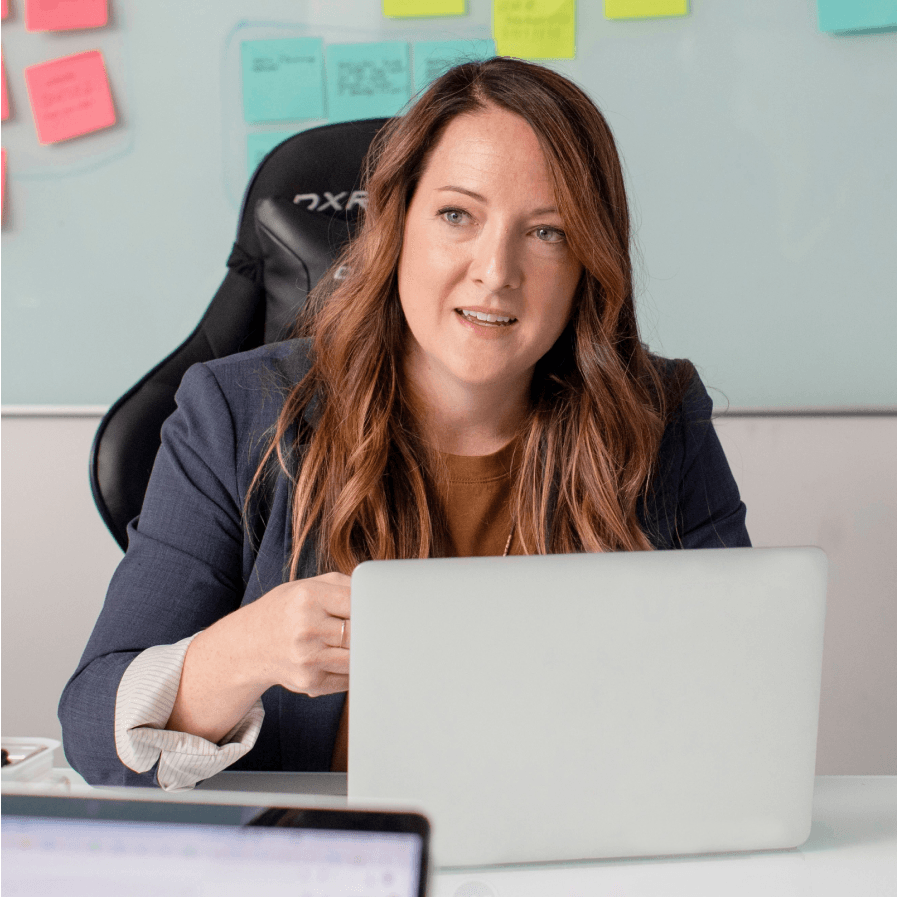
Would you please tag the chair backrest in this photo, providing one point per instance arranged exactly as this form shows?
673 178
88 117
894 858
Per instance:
298 212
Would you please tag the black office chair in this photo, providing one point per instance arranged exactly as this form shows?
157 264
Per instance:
298 212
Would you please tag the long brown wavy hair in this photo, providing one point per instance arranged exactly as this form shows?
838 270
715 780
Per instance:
599 401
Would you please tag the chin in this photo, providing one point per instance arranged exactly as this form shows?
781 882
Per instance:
476 378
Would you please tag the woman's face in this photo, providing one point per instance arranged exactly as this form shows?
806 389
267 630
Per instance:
486 278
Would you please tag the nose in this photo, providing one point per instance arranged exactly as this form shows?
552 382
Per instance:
496 262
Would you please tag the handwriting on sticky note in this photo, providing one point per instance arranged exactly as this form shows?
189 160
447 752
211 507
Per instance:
644 9
367 80
535 29
856 15
283 79
433 57
5 93
65 15
415 8
70 96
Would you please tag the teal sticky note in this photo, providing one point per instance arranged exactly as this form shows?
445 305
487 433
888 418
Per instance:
261 143
433 57
283 79
856 15
367 80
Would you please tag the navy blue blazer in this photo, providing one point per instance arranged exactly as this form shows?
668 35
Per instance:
189 561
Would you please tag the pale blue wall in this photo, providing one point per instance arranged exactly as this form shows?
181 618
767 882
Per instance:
759 151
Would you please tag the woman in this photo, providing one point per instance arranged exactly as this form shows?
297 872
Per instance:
474 383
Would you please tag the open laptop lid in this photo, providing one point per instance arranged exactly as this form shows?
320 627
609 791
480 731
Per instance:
587 706
85 846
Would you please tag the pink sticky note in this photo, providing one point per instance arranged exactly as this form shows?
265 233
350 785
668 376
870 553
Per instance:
64 15
5 94
70 96
4 10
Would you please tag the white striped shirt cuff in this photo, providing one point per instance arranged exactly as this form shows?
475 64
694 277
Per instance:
143 704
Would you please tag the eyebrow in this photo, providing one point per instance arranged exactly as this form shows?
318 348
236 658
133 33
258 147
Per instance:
450 188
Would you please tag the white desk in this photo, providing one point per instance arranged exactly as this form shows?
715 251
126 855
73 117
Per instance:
851 852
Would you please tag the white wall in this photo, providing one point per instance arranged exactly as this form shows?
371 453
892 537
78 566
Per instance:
57 559
831 481
825 481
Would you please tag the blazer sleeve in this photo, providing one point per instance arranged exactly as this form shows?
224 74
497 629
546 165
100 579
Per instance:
182 572
695 502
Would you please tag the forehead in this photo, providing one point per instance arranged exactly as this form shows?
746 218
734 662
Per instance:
491 148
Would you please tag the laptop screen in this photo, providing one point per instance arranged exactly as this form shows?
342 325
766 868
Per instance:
84 857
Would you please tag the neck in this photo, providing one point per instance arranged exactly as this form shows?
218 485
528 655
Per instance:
459 419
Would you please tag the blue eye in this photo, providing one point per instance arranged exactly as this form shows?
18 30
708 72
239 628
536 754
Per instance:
550 234
453 216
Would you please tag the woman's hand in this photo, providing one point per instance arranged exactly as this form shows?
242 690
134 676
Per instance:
297 635
301 632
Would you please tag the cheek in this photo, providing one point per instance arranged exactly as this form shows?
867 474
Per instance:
415 290
564 285
429 270
410 273
414 258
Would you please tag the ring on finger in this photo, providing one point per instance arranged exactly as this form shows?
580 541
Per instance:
342 633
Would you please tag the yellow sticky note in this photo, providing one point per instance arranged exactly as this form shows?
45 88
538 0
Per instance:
403 9
644 9
535 29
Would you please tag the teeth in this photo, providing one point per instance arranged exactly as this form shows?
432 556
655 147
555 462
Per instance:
483 316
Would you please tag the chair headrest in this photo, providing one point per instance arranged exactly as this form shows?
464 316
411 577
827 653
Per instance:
320 169
300 209
297 248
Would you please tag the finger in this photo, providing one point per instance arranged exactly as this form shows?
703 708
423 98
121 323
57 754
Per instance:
335 599
327 684
334 662
339 579
338 632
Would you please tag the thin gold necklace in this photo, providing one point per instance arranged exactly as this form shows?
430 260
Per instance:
504 554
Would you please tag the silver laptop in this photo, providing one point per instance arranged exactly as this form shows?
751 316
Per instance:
589 706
